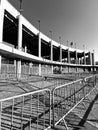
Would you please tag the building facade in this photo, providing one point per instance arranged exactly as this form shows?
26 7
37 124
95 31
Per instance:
26 50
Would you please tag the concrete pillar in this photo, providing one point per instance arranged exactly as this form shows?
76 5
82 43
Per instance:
0 63
84 58
76 58
60 54
20 32
68 56
93 60
52 68
90 58
39 45
1 20
39 69
15 65
51 51
30 67
19 69
25 49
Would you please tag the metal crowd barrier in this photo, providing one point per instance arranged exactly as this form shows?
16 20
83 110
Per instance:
41 109
26 111
67 97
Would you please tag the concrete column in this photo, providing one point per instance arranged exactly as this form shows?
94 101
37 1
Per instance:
15 65
30 67
26 49
60 53
1 20
52 68
84 58
93 60
20 32
0 63
19 69
39 45
90 58
76 58
68 56
39 69
51 51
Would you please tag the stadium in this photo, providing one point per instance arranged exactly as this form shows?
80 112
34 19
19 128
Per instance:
43 84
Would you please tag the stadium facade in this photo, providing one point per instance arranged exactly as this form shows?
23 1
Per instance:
26 50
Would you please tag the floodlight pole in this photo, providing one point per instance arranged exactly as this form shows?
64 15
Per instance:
20 7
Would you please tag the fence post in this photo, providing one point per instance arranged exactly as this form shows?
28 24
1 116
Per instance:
53 108
50 106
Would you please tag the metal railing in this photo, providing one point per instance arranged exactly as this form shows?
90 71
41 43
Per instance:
30 111
44 108
66 97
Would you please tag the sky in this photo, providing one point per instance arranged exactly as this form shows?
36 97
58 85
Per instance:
73 20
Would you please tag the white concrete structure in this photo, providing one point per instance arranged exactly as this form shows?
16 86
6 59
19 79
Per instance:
21 41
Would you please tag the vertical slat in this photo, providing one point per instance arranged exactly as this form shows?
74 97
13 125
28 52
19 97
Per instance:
37 110
30 111
0 114
44 112
22 108
12 114
50 117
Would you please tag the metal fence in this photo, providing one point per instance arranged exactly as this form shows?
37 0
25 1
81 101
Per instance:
44 108
67 97
26 111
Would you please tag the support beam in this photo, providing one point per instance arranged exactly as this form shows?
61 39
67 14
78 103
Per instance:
90 58
15 65
26 49
84 58
93 60
39 41
76 58
68 56
51 51
51 46
60 54
20 32
39 45
60 49
19 69
52 68
30 67
39 69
